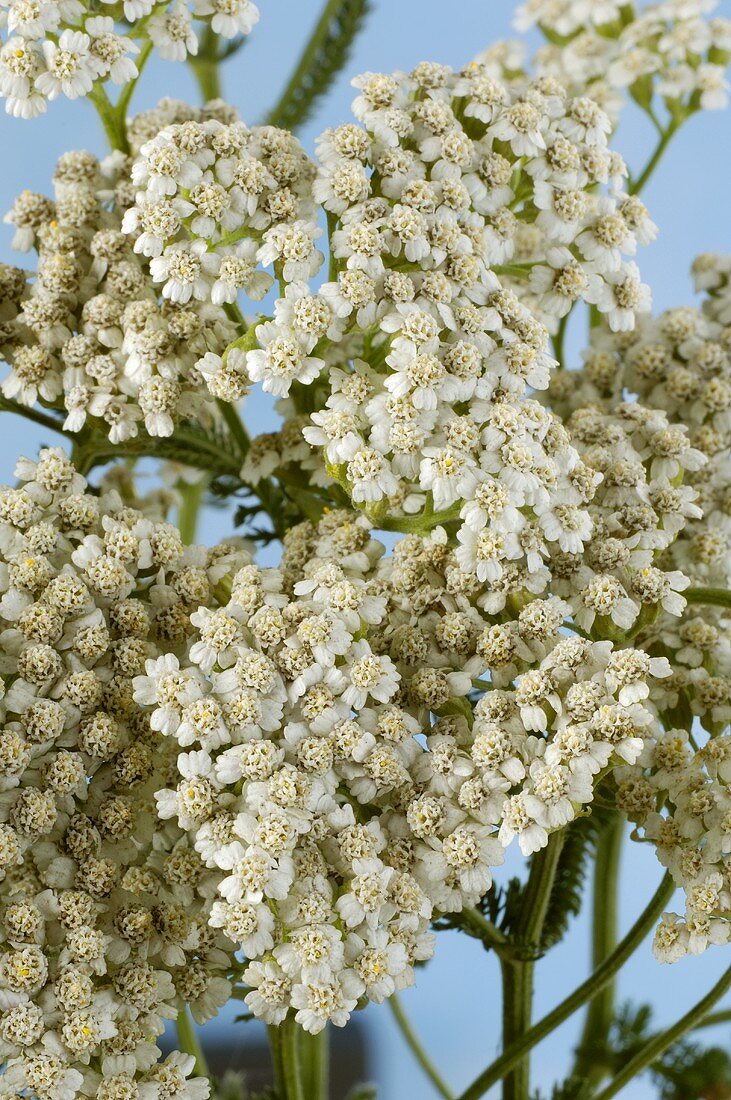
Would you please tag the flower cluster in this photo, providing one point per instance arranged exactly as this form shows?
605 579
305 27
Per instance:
215 200
658 532
69 48
668 51
343 770
427 202
86 333
105 919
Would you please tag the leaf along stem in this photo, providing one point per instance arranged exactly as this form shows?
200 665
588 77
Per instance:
415 1046
324 55
588 989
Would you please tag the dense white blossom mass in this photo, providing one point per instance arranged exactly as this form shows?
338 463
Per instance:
219 778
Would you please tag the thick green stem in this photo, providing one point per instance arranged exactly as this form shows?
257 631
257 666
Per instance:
415 1046
652 1050
188 1041
206 66
718 597
315 1060
588 989
284 1042
191 494
112 120
517 978
518 968
591 1062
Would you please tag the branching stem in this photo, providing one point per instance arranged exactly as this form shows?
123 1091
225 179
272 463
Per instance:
594 984
415 1046
652 1050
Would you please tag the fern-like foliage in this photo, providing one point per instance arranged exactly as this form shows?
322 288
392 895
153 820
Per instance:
324 56
687 1070
571 1089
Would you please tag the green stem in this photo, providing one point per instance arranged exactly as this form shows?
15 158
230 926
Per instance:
517 978
593 1047
482 928
191 494
414 1044
636 185
652 1050
126 95
558 340
112 121
287 1069
7 404
718 597
584 993
518 969
715 1018
205 66
235 425
274 1035
188 1041
315 1057
419 524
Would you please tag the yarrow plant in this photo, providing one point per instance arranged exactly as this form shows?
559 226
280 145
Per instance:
495 608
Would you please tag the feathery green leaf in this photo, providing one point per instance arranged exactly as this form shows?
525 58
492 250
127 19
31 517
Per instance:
323 57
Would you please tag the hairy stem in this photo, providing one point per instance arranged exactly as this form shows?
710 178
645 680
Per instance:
591 1060
315 1058
191 494
718 597
584 993
188 1041
652 1050
415 1046
518 968
111 118
285 1047
481 927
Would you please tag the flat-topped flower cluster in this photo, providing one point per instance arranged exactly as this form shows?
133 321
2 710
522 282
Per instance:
105 918
70 48
219 778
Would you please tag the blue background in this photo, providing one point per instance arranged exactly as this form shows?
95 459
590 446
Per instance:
456 1007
